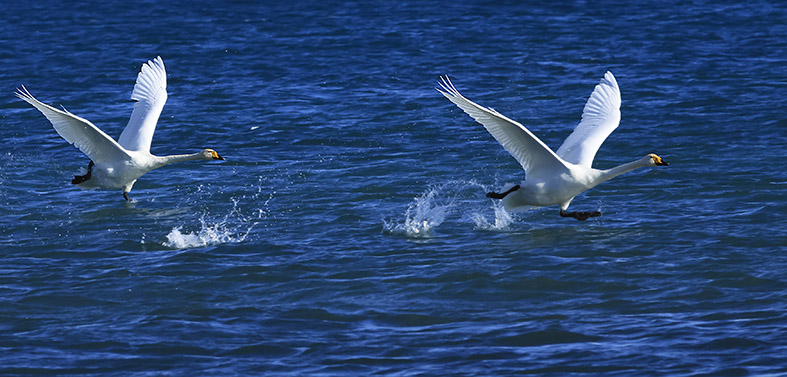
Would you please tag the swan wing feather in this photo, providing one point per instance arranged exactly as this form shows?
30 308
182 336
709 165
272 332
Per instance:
536 158
150 92
93 142
600 117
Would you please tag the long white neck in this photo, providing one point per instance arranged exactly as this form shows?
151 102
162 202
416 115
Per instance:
608 174
167 160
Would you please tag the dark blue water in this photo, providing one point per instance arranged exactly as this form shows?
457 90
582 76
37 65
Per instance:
348 234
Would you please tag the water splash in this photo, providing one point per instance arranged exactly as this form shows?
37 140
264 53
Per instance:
422 215
208 234
502 218
234 227
432 208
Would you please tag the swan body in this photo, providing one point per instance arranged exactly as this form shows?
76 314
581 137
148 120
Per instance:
555 178
118 164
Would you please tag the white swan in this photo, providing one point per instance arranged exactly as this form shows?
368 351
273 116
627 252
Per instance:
556 178
118 164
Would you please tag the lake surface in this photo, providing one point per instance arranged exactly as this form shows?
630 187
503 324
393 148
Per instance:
347 232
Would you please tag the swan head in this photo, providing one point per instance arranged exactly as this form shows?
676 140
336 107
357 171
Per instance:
210 154
656 160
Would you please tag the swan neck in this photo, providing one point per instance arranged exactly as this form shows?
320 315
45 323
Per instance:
175 158
622 169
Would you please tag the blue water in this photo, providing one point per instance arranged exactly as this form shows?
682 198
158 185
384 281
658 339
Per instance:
347 233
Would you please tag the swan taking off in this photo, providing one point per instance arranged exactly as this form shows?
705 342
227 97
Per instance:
555 178
118 164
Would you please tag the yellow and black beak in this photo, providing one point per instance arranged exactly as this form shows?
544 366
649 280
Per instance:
659 161
216 156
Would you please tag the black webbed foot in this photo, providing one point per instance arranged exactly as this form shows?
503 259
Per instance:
82 178
495 195
581 216
79 179
125 195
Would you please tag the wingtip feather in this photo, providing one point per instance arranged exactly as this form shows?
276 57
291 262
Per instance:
22 92
448 88
151 74
25 95
609 79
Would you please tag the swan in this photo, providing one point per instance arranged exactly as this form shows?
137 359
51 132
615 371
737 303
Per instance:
118 164
555 178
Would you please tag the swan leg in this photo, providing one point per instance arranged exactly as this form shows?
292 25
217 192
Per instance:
82 178
581 216
127 189
495 195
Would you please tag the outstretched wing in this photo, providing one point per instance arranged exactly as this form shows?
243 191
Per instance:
600 117
93 142
534 156
150 92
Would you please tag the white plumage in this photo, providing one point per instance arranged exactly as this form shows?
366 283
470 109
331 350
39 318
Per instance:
118 164
150 92
555 178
